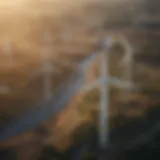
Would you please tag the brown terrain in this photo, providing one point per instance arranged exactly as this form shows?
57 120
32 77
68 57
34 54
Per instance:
24 26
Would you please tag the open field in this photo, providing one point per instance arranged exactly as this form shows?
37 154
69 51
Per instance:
24 26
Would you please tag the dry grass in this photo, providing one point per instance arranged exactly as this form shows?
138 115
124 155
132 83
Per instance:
25 30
